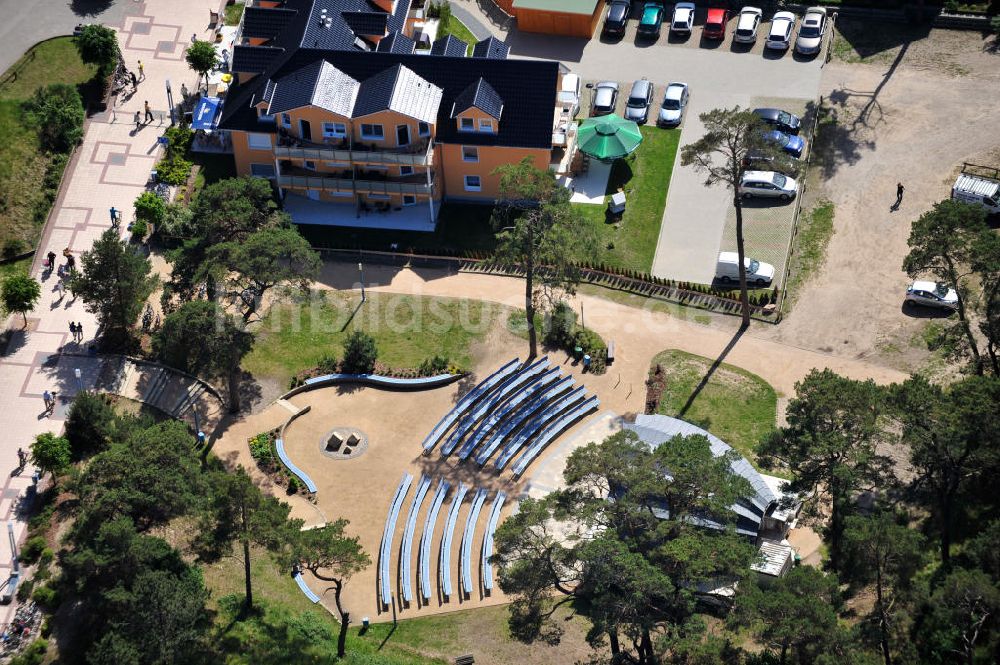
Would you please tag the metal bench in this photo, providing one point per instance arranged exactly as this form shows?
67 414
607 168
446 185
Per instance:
411 525
536 424
310 594
385 551
449 534
470 531
551 432
519 417
279 447
491 527
425 539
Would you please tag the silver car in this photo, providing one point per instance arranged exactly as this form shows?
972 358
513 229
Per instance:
747 24
639 99
605 98
675 101
932 294
683 19
810 39
780 34
768 184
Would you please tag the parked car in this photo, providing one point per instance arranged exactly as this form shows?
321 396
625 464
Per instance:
675 101
779 119
605 98
810 39
651 20
727 269
683 19
617 18
747 24
715 24
780 34
932 294
978 191
569 94
791 144
768 184
639 99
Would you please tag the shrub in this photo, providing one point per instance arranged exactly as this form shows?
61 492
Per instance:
432 366
98 45
176 222
150 208
89 424
179 138
293 485
260 448
14 247
327 364
33 655
139 229
58 111
46 596
32 550
24 590
590 342
173 170
360 353
560 325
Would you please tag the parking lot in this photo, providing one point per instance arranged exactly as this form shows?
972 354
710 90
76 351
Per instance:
720 75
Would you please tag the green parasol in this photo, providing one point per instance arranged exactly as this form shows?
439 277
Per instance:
608 137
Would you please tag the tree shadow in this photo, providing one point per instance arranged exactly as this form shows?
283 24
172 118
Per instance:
868 42
835 143
90 8
708 375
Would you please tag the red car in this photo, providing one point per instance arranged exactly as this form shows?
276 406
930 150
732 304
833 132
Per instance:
715 24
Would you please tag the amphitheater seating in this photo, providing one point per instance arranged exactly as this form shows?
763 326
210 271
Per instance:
310 594
425 539
449 534
543 383
491 527
463 404
550 432
411 525
385 552
519 417
508 387
465 559
536 424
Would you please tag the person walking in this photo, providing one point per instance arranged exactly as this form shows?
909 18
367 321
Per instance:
70 262
138 121
49 402
79 331
899 197
61 289
149 114
142 72
22 459
72 329
51 256
135 81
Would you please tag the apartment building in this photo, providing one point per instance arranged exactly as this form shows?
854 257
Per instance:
357 125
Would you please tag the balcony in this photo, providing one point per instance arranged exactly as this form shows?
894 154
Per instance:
417 154
294 178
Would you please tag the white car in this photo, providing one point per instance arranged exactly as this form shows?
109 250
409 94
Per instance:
727 270
683 19
768 184
810 39
932 294
780 35
569 94
747 24
675 100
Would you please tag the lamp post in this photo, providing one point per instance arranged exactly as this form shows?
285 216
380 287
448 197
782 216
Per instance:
361 273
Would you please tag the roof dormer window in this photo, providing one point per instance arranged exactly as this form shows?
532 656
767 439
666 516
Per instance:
466 125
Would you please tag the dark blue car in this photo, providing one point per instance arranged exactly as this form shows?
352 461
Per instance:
793 145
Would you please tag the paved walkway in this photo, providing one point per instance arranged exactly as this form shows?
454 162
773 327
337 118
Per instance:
110 168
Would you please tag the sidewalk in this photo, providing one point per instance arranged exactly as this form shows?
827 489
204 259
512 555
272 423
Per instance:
110 168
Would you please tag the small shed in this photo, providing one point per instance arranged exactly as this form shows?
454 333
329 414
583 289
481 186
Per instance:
571 18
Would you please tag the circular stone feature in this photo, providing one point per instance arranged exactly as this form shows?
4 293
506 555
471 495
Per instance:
344 443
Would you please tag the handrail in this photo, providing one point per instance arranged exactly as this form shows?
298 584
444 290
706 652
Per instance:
385 552
449 534
465 560
519 417
411 525
352 185
553 430
491 527
425 539
537 423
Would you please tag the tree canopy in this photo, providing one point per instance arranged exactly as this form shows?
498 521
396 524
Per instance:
20 294
202 58
98 45
58 111
50 453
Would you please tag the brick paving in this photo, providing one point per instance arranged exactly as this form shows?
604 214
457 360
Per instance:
110 168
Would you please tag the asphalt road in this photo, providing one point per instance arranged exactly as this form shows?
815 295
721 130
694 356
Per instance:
27 22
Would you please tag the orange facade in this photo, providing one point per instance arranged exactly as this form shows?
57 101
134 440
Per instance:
558 23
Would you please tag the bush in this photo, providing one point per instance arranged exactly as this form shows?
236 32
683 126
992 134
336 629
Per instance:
360 353
590 342
150 208
173 170
179 138
14 247
89 424
327 364
46 596
176 222
24 590
98 45
293 485
995 25
32 550
58 111
434 366
33 655
560 325
139 229
260 448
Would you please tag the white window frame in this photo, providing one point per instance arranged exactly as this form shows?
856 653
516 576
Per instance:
372 137
462 126
286 120
473 188
486 125
412 200
409 170
267 166
338 131
469 157
260 139
423 129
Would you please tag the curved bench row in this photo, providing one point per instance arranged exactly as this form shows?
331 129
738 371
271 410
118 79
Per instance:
279 447
486 426
485 386
536 424
491 528
385 552
465 560
310 594
411 525
551 432
449 534
425 540
376 380
519 417
508 387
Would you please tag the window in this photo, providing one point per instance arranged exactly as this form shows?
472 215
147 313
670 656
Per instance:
372 132
409 200
334 130
286 121
259 141
336 165
263 117
309 165
423 129
262 170
467 125
486 126
473 183
405 170
470 153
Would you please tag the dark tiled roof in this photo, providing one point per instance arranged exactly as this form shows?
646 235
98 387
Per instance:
449 45
366 23
492 48
254 59
396 42
480 95
266 22
319 83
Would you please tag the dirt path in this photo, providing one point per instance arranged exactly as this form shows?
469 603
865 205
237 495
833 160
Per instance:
915 123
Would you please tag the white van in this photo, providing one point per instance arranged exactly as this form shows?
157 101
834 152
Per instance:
978 191
728 269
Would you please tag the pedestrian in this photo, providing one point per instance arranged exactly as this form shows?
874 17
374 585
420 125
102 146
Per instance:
135 81
47 398
142 73
22 458
79 331
899 197
61 288
149 114
70 262
51 256
72 329
138 121
114 216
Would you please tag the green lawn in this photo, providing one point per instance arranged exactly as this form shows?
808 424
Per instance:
407 329
23 207
645 177
738 407
234 13
457 29
14 268
809 250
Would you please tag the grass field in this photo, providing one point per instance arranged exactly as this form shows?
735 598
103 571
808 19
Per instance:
234 13
738 407
407 330
645 178
458 29
809 250
23 208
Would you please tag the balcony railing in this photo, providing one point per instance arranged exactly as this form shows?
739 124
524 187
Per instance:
419 155
357 186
